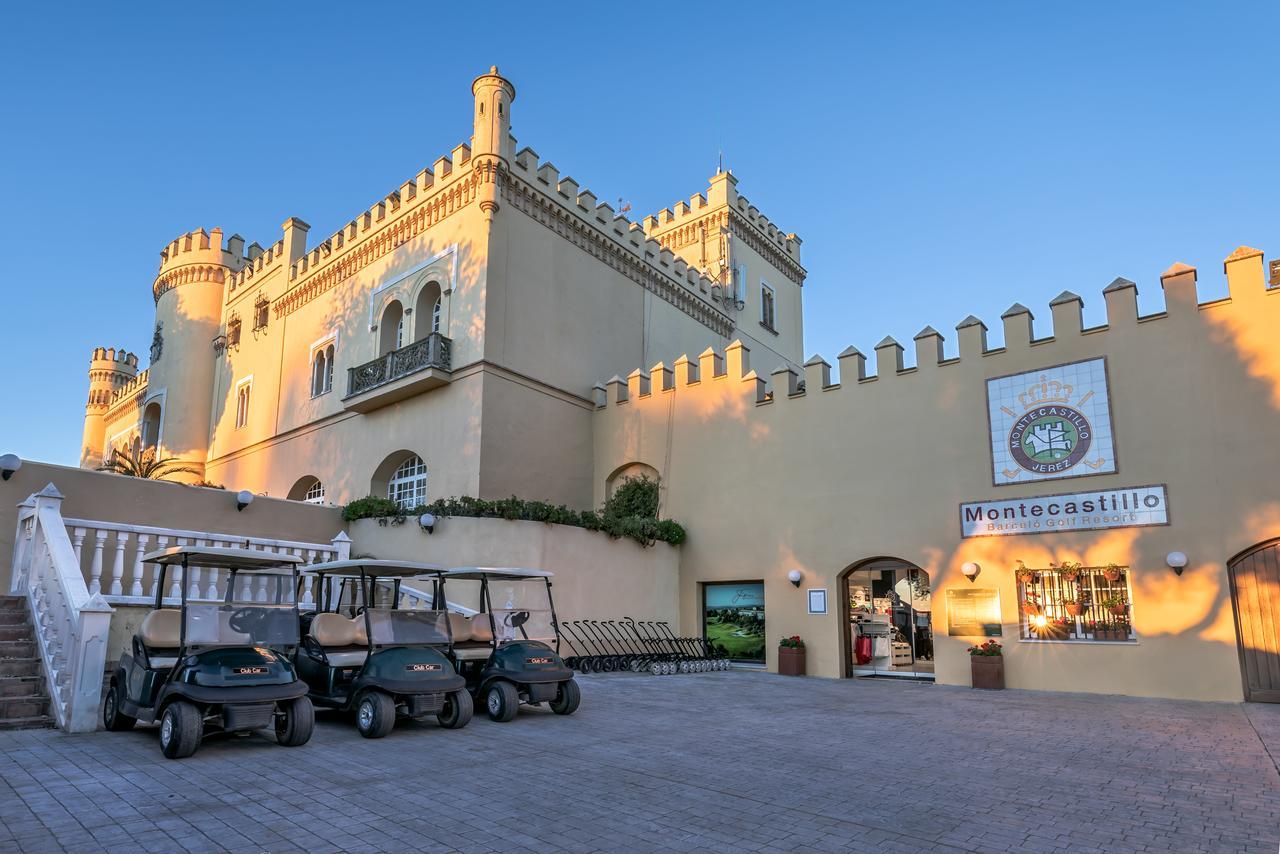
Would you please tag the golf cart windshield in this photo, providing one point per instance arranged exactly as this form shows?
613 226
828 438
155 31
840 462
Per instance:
259 610
521 609
390 627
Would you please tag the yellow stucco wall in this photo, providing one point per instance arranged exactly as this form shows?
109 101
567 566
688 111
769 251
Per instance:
823 480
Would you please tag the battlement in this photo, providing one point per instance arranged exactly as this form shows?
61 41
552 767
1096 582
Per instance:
130 389
197 256
1245 279
127 361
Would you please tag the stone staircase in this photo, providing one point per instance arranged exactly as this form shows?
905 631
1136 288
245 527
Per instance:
24 699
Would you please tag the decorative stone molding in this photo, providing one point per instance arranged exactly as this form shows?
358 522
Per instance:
171 279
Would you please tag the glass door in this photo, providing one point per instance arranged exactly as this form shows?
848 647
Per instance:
891 620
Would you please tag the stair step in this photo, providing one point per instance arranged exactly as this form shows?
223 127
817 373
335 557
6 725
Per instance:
22 686
16 648
15 633
19 667
34 722
23 707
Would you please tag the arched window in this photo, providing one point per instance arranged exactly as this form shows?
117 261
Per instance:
151 425
427 311
314 493
322 370
408 484
391 328
243 388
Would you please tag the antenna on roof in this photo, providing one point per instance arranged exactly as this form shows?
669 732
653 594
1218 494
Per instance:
720 163
623 207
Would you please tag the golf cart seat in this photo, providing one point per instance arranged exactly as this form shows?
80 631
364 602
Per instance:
161 631
343 640
473 642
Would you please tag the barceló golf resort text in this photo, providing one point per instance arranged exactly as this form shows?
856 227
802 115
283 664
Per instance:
1120 508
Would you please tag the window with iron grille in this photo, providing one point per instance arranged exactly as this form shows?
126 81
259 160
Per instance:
408 485
1072 602
233 331
261 310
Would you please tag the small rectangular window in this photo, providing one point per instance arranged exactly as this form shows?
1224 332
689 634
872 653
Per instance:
261 312
767 317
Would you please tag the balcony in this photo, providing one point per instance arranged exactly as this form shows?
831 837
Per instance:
418 367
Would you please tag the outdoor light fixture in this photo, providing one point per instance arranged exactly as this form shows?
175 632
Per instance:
427 522
1177 561
794 577
970 571
243 499
9 463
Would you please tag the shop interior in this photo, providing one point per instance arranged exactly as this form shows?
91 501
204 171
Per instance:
890 620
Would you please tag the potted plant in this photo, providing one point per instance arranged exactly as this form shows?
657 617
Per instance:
1117 605
791 656
1076 604
1025 575
1031 605
1112 572
1068 570
986 661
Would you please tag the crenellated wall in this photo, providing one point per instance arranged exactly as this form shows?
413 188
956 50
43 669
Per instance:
774 469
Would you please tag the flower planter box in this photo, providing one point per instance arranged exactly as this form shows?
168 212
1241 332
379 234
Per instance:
988 671
790 661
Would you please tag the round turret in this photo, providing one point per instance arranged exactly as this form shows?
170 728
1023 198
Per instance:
492 132
109 371
189 292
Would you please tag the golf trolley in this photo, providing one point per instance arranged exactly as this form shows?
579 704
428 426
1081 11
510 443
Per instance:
209 667
360 651
509 650
605 646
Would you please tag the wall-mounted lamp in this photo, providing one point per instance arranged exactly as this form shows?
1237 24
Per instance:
1177 561
9 464
427 522
970 571
794 577
243 499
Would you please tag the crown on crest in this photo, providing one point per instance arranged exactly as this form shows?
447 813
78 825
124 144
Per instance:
1045 392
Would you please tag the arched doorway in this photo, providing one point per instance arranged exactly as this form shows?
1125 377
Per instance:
1255 600
391 328
888 624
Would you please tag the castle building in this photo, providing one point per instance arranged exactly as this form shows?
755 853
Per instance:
1101 501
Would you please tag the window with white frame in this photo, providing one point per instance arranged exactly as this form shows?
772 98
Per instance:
242 402
314 493
435 315
322 369
767 317
408 485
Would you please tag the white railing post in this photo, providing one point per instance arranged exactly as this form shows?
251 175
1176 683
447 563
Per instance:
87 665
341 546
135 589
95 570
117 565
22 546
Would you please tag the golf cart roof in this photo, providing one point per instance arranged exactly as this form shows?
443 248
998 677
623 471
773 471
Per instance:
477 572
242 560
378 568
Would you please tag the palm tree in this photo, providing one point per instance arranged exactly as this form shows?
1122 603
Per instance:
138 462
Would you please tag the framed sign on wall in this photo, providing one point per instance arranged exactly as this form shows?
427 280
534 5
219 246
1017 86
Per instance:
817 600
1052 423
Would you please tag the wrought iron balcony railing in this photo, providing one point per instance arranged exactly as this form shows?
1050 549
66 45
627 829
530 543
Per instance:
431 352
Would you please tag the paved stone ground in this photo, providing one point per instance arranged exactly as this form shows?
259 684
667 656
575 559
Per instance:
715 761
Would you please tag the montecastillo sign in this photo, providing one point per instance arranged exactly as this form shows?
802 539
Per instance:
1126 507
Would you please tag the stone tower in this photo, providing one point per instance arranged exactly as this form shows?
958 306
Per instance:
109 370
491 140
189 292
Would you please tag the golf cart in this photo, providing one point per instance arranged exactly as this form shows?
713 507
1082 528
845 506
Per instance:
362 651
215 666
504 651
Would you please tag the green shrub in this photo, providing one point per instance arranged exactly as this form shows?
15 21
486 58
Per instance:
632 512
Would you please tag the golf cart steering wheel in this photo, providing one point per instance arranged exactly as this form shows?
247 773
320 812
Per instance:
360 609
516 619
246 620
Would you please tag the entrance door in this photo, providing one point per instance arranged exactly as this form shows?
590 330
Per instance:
1255 597
890 617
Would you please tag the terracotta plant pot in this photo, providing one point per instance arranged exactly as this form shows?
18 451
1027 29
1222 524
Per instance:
790 661
1075 609
1071 575
1119 610
988 671
1112 574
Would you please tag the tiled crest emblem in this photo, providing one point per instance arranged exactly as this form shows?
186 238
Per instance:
1052 423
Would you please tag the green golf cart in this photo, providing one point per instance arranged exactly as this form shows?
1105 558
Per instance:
509 651
360 651
208 667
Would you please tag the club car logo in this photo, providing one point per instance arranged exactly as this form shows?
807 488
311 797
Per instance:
421 668
539 660
250 671
1051 423
1050 439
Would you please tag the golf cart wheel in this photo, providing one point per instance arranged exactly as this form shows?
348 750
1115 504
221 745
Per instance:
181 726
375 714
502 701
113 719
457 710
567 698
295 722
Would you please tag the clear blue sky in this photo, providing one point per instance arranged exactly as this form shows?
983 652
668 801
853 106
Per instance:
938 160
